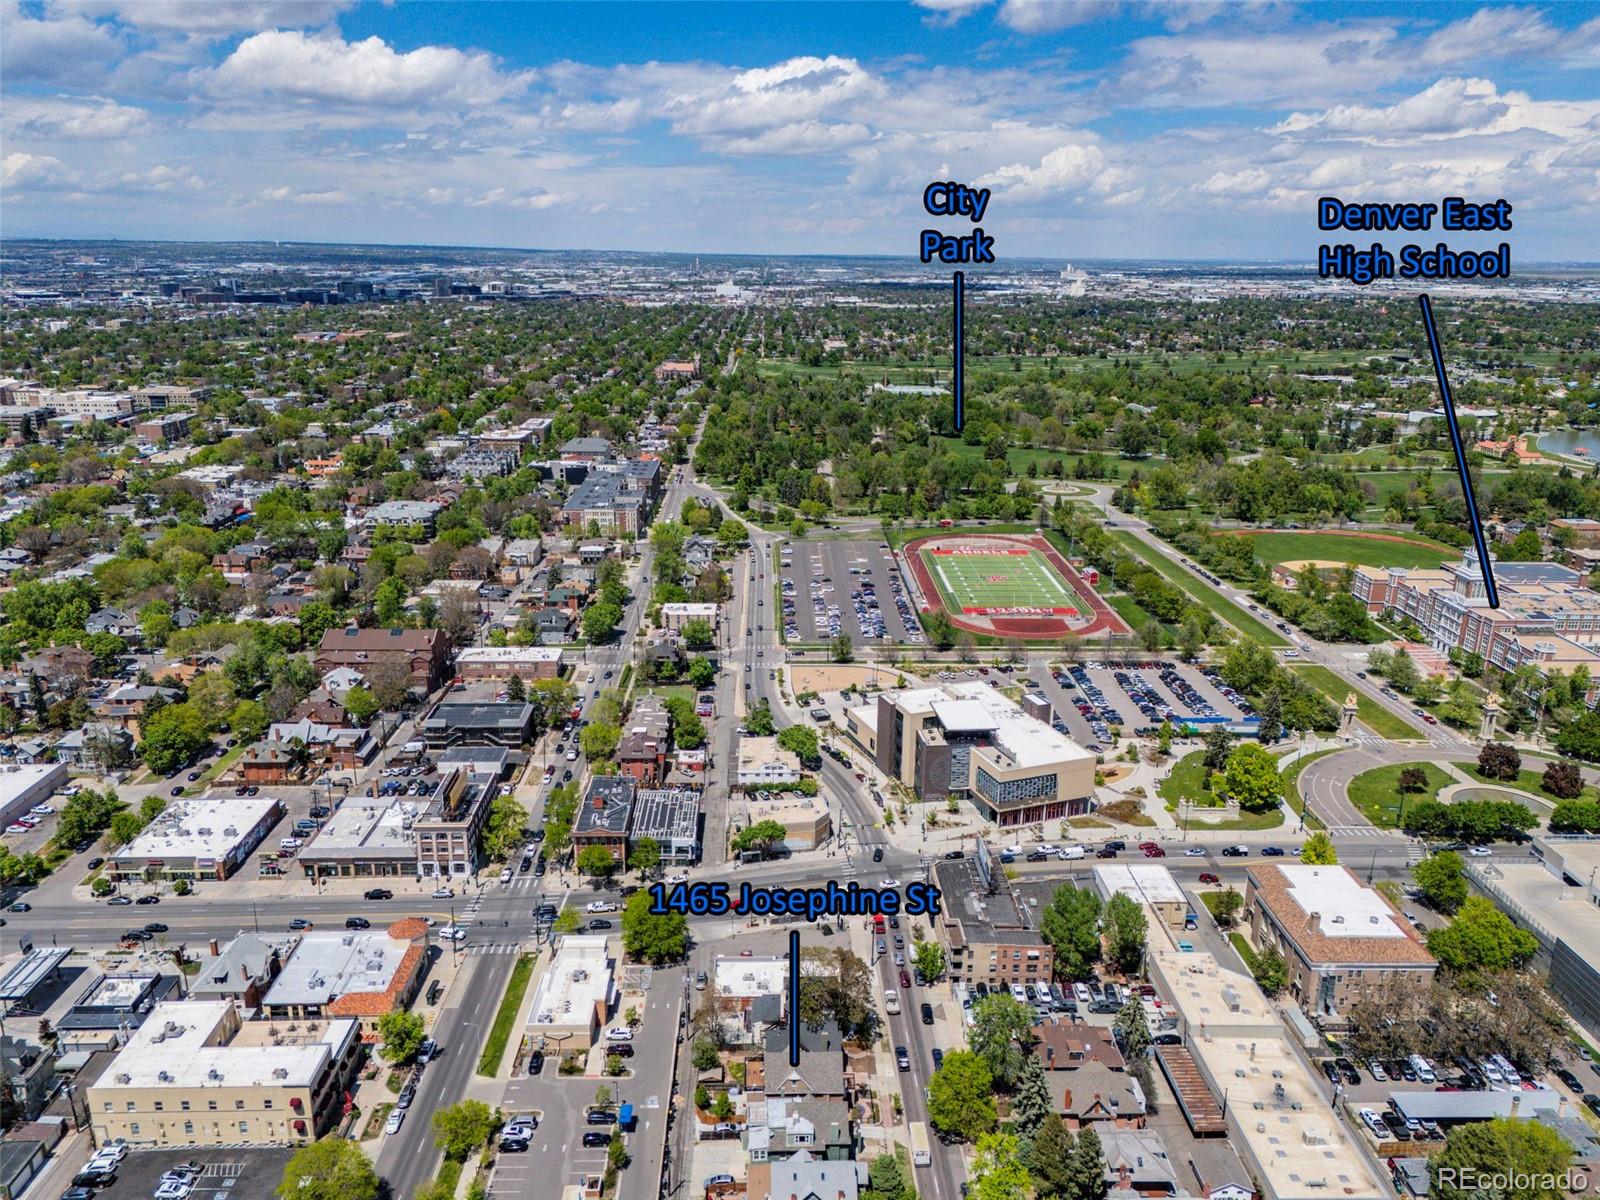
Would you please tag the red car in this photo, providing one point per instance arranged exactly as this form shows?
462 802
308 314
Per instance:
1208 877
905 979
1148 846
1155 852
1430 718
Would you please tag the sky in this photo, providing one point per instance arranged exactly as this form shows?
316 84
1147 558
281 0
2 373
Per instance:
1169 129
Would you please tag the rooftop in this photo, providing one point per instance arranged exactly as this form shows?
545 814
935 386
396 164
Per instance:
201 828
1148 883
740 977
367 825
606 806
199 1043
325 966
577 981
669 815
490 655
1332 917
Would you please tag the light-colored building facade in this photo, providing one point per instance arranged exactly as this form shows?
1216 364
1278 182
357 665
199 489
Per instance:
574 997
764 763
527 663
197 1074
1337 936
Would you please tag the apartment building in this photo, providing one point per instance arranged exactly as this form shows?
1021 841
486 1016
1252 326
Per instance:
425 653
197 1074
1337 935
987 935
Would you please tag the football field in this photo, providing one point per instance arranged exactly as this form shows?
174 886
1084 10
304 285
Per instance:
985 581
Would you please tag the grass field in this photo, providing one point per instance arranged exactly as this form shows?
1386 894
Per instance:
1274 548
1368 711
1129 610
1376 792
1019 578
1207 597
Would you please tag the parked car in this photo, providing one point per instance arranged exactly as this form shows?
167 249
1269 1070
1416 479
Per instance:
379 894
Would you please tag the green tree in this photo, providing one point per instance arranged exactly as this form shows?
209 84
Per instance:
697 634
1481 938
389 601
1001 1035
653 938
759 720
702 671
596 862
503 831
997 1170
1270 971
1135 1029
836 985
1319 850
1125 930
329 1169
1530 1154
567 921
125 826
763 835
1442 881
401 1032
248 721
842 649
705 1055
1071 924
1251 777
1581 739
1575 816
1087 1168
599 740
1032 1103
600 621
361 704
928 957
1218 745
961 1096
645 855
462 1128
886 1180
173 737
1050 1160
799 740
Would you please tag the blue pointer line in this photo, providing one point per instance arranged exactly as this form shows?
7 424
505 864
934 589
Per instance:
794 998
1461 453
959 298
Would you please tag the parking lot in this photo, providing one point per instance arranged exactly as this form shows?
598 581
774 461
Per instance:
1137 696
855 588
226 1173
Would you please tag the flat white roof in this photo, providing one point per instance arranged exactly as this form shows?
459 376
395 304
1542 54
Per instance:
963 716
1027 741
751 976
19 781
170 1050
370 823
508 654
1343 906
579 978
325 966
689 608
1148 884
199 828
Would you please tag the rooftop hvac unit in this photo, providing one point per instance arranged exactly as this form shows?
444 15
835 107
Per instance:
280 1072
214 1074
203 832
229 831
164 1077
124 1078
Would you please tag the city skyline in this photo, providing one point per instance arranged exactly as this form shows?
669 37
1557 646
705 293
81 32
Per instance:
1189 132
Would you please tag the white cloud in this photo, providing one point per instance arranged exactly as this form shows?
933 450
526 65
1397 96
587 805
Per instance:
795 90
289 195
802 137
1075 167
159 178
1236 183
1448 106
73 117
1047 16
52 50
33 170
295 66
209 18
1489 34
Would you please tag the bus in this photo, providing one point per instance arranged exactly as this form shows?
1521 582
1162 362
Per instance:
921 1156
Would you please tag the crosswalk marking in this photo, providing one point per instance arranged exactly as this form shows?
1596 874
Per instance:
1359 831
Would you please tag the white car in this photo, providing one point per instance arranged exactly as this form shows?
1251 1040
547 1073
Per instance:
891 883
1372 1121
443 893
572 755
15 828
392 1125
41 810
1194 852
114 1151
600 906
453 933
680 877
1479 851
619 1033
505 875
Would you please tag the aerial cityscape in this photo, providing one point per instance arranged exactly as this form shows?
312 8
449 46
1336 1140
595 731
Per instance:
962 600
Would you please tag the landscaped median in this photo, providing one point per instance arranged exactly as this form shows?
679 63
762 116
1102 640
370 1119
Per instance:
1368 711
510 1005
1377 792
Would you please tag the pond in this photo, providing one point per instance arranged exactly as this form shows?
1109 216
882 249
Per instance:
1568 442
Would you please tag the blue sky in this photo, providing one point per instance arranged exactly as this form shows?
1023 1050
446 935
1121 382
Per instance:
1104 128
